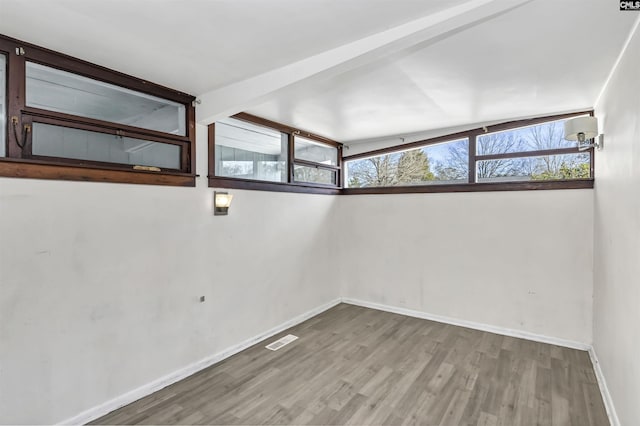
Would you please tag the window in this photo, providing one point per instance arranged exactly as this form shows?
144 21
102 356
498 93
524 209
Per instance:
437 164
548 167
61 91
249 152
70 143
74 120
315 152
511 155
530 154
315 162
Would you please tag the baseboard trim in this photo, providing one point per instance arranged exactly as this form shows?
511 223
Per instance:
604 390
131 396
470 324
149 388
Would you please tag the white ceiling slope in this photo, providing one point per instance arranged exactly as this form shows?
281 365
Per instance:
352 70
542 58
295 77
200 45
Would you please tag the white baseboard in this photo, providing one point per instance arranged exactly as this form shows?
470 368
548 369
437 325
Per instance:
604 390
149 388
471 324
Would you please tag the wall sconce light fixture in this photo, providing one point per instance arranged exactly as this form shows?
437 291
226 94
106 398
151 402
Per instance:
221 203
583 129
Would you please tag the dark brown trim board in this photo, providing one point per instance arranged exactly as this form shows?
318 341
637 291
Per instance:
221 182
475 187
35 169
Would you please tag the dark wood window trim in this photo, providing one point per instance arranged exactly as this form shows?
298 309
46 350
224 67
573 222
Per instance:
36 169
473 185
312 164
291 185
476 187
19 162
235 183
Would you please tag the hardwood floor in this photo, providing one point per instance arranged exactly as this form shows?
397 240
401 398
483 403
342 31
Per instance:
359 366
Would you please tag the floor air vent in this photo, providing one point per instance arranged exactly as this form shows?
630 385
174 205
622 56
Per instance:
281 342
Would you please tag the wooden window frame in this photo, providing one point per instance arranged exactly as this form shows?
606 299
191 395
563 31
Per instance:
20 162
473 185
291 185
313 164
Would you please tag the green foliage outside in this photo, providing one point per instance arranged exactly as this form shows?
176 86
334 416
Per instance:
565 171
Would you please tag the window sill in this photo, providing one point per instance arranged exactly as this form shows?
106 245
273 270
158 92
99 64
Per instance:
33 169
221 182
475 187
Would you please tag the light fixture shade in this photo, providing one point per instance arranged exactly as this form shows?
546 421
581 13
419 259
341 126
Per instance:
585 125
221 203
223 199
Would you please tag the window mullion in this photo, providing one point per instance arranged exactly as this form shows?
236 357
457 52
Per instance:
290 157
340 171
472 158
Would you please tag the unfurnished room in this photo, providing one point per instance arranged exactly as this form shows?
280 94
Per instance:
320 212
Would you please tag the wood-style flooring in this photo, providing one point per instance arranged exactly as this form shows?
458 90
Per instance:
353 365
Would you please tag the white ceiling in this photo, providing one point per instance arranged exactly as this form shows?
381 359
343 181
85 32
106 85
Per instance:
545 57
199 45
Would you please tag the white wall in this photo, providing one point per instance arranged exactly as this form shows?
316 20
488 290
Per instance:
520 260
617 237
100 283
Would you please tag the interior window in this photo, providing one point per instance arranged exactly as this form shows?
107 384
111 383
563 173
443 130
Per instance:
254 153
73 120
55 90
248 151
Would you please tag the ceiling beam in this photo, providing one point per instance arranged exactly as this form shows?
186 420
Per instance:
239 96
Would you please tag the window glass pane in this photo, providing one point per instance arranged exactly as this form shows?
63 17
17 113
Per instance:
533 138
550 167
444 163
314 175
3 105
248 151
61 91
64 142
309 150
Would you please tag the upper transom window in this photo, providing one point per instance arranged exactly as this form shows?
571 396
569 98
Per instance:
253 153
531 154
91 123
